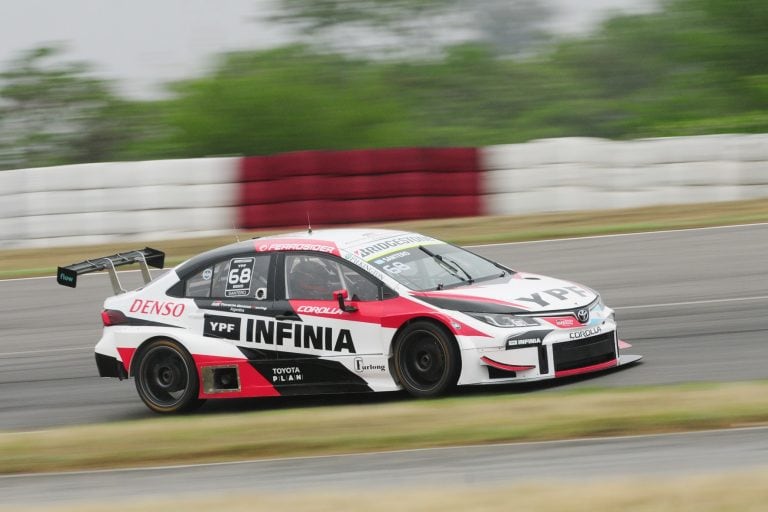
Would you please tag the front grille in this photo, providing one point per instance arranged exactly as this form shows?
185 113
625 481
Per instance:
584 352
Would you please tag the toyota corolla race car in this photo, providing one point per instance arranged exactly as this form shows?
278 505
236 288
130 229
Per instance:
342 310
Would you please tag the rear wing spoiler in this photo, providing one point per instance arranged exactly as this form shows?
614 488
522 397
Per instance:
147 257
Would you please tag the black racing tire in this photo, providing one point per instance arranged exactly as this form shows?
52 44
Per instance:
427 361
166 377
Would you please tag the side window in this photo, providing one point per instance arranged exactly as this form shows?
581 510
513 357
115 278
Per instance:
244 277
199 285
359 286
311 277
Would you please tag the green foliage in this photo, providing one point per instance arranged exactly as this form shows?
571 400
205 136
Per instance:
282 100
416 27
316 15
696 67
54 113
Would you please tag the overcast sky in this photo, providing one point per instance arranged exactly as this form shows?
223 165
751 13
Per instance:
144 43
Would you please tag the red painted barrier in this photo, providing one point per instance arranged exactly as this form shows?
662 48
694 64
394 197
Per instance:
254 168
348 187
400 160
342 163
297 163
454 159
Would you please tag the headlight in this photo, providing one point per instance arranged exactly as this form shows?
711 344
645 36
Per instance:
503 320
599 307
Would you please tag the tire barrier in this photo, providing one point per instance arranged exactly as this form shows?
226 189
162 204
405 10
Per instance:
99 203
346 187
572 174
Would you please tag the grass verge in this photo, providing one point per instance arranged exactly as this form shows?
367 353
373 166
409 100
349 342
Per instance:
743 491
465 231
495 417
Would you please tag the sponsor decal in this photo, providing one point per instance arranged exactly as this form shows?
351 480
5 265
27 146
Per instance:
239 277
564 322
545 298
290 244
299 335
157 307
66 278
287 374
294 373
360 366
216 326
523 342
319 310
364 265
585 333
207 274
233 307
392 257
527 339
386 245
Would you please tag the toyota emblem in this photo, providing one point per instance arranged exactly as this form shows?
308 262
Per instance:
583 315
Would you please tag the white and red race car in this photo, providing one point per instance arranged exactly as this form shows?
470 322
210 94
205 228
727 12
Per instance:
342 310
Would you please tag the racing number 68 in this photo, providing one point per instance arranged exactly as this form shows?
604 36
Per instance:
239 275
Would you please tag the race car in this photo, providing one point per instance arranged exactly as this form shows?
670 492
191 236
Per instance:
339 311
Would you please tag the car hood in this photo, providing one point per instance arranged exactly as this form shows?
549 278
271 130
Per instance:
520 293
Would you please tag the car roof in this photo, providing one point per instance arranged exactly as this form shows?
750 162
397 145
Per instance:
334 240
346 239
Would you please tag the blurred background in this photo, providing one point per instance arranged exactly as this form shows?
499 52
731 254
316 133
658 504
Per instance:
89 81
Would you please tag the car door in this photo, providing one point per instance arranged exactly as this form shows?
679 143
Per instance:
326 348
233 293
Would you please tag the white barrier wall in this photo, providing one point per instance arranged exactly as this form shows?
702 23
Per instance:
588 174
97 203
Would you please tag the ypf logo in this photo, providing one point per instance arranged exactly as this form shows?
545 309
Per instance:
227 327
583 315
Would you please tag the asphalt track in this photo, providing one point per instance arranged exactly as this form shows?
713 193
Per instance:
692 302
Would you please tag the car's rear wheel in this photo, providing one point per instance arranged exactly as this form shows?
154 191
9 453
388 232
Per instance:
426 359
166 377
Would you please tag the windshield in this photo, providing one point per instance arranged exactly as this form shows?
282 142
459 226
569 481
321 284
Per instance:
434 266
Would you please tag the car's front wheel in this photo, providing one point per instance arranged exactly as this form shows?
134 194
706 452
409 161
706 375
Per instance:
426 359
166 378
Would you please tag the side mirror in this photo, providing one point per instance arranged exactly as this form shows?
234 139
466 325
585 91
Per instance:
341 295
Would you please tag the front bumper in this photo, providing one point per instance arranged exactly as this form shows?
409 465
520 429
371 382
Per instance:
562 353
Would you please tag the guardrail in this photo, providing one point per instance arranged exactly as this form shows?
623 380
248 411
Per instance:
98 203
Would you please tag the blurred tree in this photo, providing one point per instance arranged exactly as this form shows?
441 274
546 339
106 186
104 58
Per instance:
697 66
407 28
55 113
281 100
692 67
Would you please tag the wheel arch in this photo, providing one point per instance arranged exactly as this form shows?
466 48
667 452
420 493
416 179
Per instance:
143 347
439 322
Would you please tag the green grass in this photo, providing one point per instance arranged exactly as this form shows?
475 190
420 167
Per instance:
497 416
742 491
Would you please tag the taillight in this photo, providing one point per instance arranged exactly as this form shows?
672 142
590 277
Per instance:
113 317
